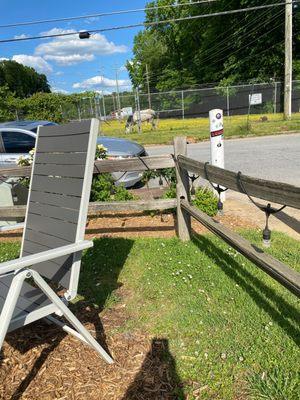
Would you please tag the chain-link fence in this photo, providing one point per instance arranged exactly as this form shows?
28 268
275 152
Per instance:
193 103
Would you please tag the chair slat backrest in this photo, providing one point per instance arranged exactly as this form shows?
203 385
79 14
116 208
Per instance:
59 194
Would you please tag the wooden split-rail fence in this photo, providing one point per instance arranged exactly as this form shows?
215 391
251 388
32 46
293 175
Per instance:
270 191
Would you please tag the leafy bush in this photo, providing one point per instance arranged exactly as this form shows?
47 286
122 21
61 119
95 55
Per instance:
104 189
45 106
122 194
8 104
167 174
26 161
103 186
171 192
206 201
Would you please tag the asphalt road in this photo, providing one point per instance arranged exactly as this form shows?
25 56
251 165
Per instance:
270 157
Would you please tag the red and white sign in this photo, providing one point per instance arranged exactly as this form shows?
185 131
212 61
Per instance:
217 140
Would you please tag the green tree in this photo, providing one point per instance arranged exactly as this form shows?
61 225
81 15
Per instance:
230 48
22 80
8 104
45 106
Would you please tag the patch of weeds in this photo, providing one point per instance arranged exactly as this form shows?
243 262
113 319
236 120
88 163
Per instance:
206 201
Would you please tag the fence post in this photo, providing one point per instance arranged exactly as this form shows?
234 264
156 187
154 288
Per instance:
275 97
182 191
104 108
182 103
227 101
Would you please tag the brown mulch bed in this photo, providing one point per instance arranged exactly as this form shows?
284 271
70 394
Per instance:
42 362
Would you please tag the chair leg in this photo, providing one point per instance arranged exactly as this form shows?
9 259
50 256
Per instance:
70 317
10 304
51 320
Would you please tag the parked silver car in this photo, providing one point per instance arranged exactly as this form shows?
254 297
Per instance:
17 138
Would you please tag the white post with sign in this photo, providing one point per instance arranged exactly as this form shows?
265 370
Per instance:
217 140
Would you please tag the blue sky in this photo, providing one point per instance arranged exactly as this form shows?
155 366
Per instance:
71 64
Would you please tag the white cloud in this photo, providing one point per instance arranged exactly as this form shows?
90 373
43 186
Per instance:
69 50
70 59
4 59
101 82
22 36
36 62
91 20
58 90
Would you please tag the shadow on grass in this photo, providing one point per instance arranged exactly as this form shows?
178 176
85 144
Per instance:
101 265
264 296
157 378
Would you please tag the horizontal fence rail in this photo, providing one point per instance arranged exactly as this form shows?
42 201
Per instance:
95 207
109 165
281 193
276 269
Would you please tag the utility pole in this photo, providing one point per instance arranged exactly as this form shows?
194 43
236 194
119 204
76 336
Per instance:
148 85
288 59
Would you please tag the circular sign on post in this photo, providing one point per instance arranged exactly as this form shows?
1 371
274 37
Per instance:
217 140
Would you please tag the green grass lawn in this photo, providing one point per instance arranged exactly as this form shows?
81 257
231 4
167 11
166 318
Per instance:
198 128
230 328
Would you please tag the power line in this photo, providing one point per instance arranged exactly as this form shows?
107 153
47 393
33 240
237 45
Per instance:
148 24
216 44
245 46
106 14
212 56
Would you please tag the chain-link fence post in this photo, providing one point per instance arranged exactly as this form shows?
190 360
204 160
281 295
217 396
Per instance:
228 101
78 111
104 108
114 104
275 97
182 103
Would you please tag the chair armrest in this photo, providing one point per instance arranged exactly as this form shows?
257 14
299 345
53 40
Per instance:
33 259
